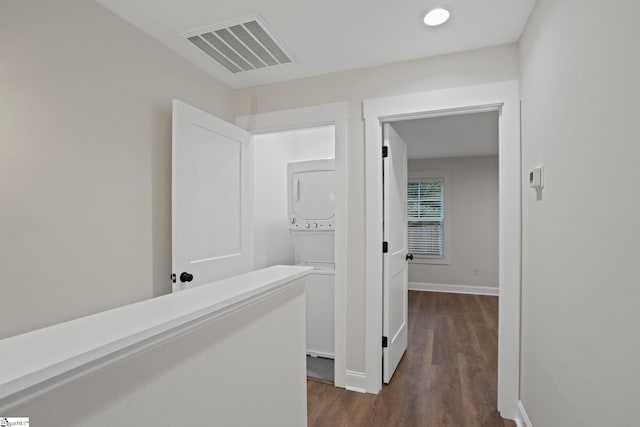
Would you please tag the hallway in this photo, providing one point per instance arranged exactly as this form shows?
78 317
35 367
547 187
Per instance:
446 378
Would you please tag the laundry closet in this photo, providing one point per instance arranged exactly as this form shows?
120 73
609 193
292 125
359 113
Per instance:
294 219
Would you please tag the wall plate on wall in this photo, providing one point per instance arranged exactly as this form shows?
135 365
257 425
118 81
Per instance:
536 178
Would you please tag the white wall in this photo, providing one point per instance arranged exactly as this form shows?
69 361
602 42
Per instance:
85 159
272 152
580 64
471 191
460 69
217 375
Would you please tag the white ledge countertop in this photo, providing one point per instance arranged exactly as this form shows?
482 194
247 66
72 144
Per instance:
31 362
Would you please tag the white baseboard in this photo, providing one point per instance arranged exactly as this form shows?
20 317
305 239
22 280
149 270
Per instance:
523 419
454 289
356 381
314 353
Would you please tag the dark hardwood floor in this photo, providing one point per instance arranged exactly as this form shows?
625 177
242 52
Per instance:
447 377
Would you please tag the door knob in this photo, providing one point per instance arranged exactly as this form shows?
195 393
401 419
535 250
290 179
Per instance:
407 257
186 277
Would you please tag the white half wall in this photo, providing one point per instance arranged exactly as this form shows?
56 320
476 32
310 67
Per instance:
232 371
272 152
471 199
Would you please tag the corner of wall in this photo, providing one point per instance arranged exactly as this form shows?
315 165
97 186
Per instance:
522 419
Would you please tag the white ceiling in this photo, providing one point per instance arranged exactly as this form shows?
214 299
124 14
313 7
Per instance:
331 35
461 135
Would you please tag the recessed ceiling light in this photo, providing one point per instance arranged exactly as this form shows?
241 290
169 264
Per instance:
436 17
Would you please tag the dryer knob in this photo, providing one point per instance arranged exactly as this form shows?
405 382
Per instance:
292 220
308 225
315 225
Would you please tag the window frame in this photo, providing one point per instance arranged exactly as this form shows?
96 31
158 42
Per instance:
414 176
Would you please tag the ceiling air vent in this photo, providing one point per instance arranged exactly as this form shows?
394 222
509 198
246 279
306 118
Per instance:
242 46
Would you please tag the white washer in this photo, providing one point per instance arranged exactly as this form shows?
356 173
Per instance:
311 209
320 310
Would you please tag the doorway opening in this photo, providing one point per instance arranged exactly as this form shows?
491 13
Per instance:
440 208
499 97
452 201
294 224
321 132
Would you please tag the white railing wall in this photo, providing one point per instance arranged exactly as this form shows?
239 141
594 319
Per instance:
227 353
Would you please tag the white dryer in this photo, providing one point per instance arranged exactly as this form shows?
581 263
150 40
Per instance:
311 209
311 189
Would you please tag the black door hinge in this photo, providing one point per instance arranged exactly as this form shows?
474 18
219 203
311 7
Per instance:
384 342
385 151
385 247
173 278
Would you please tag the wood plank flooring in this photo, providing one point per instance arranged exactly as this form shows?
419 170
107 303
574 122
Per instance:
446 378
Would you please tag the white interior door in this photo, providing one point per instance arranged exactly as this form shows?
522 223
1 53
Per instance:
211 196
395 277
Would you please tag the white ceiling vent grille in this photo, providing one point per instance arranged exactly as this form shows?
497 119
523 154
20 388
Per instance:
242 46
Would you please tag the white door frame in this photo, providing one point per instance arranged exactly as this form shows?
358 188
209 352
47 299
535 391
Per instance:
336 114
504 98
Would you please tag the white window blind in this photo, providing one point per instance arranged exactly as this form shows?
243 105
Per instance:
425 212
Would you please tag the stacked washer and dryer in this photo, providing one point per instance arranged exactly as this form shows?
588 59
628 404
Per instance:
311 207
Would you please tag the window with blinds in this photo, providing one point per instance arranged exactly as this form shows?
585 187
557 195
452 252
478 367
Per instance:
425 214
